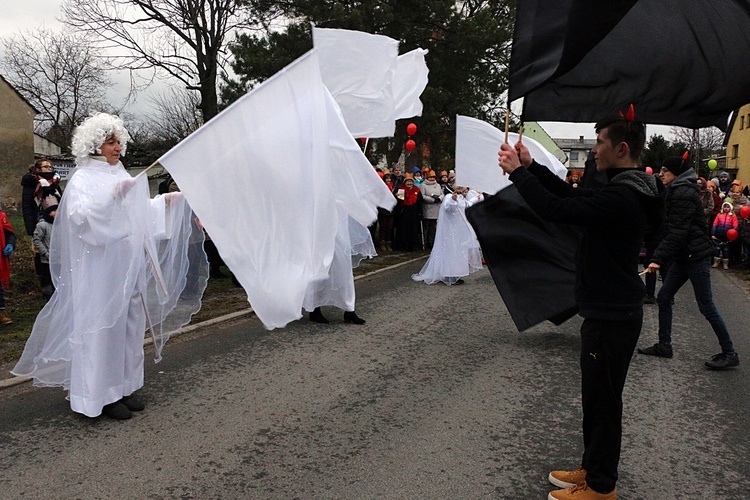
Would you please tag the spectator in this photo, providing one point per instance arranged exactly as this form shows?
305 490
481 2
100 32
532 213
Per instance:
707 200
41 240
725 221
725 185
406 216
443 180
713 188
8 244
432 197
417 176
41 189
385 218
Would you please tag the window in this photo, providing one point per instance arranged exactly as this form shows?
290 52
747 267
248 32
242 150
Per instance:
735 150
574 156
742 122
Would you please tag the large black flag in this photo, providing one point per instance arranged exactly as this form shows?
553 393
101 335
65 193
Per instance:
680 62
532 261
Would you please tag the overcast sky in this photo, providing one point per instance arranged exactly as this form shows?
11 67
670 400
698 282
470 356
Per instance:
23 15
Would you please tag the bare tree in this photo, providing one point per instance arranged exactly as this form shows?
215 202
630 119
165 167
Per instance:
61 74
703 142
176 114
184 38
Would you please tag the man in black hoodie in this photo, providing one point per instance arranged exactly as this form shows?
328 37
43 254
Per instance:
688 247
608 289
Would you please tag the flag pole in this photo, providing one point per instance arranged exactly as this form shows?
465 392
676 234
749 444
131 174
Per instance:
148 168
520 133
507 122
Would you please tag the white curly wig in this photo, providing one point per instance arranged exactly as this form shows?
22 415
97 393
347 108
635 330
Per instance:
91 134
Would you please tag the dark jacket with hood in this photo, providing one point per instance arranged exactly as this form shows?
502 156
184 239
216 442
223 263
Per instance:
615 218
687 237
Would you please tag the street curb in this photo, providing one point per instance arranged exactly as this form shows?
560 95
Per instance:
14 381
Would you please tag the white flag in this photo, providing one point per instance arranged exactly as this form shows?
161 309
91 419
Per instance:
477 145
257 176
358 69
409 82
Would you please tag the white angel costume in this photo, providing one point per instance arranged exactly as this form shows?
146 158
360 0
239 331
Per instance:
456 252
353 244
120 263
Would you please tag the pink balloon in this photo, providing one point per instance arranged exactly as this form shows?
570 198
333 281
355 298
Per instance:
649 171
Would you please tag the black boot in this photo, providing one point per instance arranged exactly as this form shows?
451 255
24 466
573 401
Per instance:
117 410
132 403
351 317
317 316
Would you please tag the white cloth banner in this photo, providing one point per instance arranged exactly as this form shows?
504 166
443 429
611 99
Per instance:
409 82
266 176
358 69
477 145
257 176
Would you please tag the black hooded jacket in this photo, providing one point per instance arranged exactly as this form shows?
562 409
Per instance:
686 237
615 218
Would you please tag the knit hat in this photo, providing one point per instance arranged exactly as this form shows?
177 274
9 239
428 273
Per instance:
416 170
676 164
430 173
408 177
727 203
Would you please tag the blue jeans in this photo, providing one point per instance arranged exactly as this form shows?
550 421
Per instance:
699 274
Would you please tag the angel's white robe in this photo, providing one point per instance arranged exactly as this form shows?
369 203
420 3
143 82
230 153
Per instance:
120 262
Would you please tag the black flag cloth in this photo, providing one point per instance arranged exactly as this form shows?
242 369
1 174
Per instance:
679 62
532 261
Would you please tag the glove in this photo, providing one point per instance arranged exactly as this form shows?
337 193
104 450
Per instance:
7 250
122 187
436 197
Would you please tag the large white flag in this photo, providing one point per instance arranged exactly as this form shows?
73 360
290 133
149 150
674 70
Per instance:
257 176
358 69
409 82
477 145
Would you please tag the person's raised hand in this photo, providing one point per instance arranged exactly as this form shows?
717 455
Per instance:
508 158
124 186
523 154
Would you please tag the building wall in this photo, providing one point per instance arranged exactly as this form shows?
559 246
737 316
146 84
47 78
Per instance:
577 151
16 144
738 145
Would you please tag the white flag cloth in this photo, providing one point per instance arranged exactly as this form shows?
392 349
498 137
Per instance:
265 178
358 69
409 82
477 144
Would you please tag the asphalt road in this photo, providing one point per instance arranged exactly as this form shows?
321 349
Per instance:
437 396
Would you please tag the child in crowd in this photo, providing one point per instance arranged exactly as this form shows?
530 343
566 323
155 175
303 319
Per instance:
723 222
41 239
8 244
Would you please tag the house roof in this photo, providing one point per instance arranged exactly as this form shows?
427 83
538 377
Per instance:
19 94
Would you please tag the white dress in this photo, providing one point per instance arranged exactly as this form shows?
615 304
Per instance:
120 263
456 252
353 243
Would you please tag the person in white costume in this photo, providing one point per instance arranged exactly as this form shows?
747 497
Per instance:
353 243
120 263
456 252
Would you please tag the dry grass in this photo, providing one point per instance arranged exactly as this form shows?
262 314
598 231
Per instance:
24 300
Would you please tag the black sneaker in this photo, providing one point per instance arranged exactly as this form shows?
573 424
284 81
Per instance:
117 410
649 299
132 403
351 317
723 361
660 350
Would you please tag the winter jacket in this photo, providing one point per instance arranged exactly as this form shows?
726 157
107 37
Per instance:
687 235
41 239
615 218
723 223
431 205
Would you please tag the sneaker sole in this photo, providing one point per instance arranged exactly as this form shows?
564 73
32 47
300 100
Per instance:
557 482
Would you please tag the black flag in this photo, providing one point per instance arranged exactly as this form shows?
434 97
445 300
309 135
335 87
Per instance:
532 261
679 62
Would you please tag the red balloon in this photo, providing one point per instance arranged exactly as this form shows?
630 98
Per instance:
411 129
732 234
410 145
363 140
744 211
649 170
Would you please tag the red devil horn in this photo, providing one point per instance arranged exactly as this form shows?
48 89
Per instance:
623 116
631 114
686 155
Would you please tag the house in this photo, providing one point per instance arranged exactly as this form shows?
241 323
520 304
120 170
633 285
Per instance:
16 142
737 142
577 151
